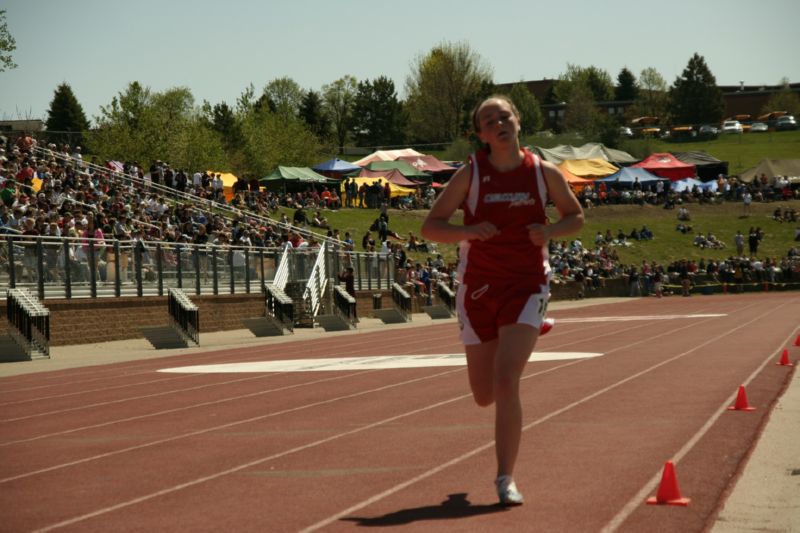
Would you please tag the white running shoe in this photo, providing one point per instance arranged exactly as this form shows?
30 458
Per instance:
507 491
546 326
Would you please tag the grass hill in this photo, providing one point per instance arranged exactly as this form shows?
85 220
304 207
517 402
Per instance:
723 220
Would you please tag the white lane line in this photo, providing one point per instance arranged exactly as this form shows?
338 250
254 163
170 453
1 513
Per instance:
377 362
581 320
650 486
369 426
467 455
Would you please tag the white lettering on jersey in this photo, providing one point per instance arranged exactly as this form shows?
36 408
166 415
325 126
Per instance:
514 199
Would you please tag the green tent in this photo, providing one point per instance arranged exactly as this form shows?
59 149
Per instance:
283 176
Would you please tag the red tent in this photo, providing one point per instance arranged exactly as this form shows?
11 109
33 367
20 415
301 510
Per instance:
392 176
667 166
427 163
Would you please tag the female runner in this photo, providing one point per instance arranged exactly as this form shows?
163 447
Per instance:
503 268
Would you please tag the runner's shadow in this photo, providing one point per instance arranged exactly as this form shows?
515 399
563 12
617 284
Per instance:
456 506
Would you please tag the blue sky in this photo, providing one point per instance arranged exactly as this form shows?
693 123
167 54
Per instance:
217 48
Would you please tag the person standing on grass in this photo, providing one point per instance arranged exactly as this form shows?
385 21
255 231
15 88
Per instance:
503 268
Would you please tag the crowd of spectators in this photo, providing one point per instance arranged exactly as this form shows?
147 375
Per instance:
729 189
85 201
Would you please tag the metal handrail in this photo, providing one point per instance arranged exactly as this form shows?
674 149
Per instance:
317 282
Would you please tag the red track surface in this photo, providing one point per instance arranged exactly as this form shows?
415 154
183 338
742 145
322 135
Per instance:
122 447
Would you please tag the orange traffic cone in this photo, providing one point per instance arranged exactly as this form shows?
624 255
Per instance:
797 341
668 491
741 402
785 359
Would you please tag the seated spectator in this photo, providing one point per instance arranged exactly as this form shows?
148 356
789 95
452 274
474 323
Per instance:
683 214
319 220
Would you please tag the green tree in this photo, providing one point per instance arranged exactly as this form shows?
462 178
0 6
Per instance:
582 115
597 81
143 126
652 99
528 107
339 98
271 140
377 114
694 96
443 86
312 112
66 121
626 88
7 44
783 100
285 96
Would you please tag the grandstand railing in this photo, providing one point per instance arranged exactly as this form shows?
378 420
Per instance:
184 315
446 295
344 305
29 321
279 306
402 300
317 283
282 273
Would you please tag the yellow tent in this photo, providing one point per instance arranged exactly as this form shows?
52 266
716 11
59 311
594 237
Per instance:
395 190
588 168
228 181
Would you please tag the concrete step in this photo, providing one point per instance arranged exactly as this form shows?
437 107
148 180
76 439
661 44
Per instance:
12 350
334 323
265 326
165 337
390 316
437 311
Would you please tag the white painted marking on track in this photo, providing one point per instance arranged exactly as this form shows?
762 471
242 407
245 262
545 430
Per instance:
581 320
339 364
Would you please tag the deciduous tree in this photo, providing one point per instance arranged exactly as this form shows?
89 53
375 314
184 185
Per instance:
528 107
7 44
339 98
443 86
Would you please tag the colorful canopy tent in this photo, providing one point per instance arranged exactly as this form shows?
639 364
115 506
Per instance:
396 190
667 166
575 182
386 155
627 176
708 166
228 181
427 163
691 183
789 168
393 176
283 176
335 166
588 168
407 170
564 152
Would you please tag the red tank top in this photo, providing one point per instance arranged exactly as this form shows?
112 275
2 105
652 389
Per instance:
511 201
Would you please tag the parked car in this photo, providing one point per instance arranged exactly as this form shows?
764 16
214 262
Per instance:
625 131
732 126
707 130
759 127
786 122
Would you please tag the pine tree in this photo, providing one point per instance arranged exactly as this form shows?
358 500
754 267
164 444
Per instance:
695 97
66 120
626 88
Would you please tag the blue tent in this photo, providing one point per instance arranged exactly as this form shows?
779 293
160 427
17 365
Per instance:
628 175
336 165
689 183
